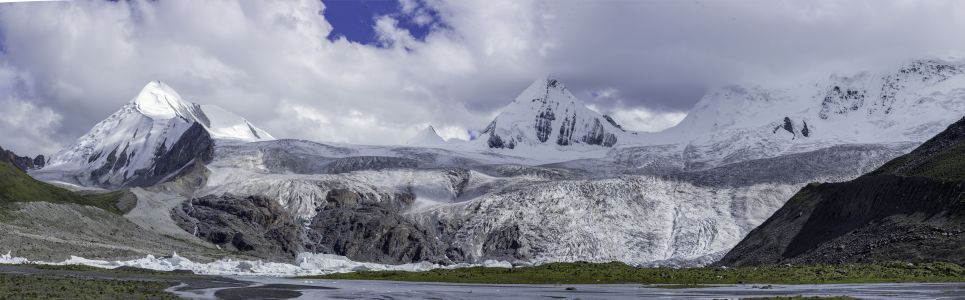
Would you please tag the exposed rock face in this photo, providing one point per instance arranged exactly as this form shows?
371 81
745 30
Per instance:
22 162
613 122
506 243
788 125
362 227
253 225
910 209
841 101
195 145
878 94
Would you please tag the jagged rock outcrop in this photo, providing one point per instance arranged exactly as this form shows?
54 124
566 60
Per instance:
23 163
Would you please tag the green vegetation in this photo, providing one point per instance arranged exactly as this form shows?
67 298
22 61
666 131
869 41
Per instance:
82 268
591 273
942 157
948 165
804 298
17 186
679 286
63 287
121 270
86 282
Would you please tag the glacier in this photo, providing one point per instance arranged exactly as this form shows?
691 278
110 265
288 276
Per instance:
547 180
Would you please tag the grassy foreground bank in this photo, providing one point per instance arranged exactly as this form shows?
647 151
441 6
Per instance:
601 273
83 282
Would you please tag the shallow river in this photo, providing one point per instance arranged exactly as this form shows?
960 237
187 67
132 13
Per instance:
280 288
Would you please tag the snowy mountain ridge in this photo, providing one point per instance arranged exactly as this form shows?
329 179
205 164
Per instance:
733 123
547 114
548 180
155 126
864 107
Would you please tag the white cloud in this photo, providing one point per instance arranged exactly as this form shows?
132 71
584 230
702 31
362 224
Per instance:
453 132
642 119
28 129
270 61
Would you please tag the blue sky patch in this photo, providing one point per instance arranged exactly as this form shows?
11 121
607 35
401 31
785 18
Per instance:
355 19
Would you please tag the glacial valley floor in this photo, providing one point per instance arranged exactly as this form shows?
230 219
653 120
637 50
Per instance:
894 281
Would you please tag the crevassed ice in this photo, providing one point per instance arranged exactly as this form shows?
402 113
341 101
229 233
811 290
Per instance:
304 264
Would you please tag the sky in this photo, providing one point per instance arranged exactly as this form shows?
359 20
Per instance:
377 72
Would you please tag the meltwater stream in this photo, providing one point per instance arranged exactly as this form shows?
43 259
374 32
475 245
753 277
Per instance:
281 288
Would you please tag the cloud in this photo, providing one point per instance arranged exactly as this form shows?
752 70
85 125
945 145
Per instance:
28 129
642 119
646 63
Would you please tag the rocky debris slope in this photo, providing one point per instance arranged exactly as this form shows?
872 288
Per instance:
911 209
44 222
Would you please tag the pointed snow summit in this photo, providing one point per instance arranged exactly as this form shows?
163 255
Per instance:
547 114
426 137
159 101
156 134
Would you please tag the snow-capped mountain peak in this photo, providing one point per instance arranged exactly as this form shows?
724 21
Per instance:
155 134
159 101
547 114
426 137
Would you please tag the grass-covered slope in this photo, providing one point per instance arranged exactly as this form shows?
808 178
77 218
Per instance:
941 157
44 222
17 186
910 209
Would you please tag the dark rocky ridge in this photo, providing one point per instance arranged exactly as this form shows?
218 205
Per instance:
910 209
874 218
194 146
22 162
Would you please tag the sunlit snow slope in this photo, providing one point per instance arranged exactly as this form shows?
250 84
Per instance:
154 135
